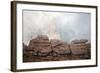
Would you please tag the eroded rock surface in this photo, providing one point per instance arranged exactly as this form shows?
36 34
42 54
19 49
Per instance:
42 48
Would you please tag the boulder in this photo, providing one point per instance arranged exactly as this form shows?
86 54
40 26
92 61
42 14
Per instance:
44 51
61 49
55 42
79 47
40 45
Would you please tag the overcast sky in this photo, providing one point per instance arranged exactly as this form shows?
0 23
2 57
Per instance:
67 25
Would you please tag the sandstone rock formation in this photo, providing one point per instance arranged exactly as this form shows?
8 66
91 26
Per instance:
42 48
40 45
80 47
59 48
26 51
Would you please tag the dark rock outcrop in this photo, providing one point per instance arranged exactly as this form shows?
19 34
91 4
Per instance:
26 51
25 47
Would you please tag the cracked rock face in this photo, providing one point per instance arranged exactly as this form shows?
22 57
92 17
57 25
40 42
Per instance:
62 49
41 45
79 47
59 47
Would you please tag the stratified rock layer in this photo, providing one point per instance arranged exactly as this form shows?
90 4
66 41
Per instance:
43 49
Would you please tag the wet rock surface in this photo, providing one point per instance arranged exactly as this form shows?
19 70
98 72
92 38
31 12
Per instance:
42 49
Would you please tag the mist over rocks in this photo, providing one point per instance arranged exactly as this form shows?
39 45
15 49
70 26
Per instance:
69 25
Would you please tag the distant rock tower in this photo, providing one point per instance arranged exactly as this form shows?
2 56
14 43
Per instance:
52 32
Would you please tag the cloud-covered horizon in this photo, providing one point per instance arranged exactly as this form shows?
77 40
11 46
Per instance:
67 25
